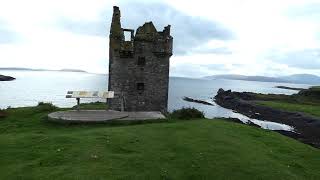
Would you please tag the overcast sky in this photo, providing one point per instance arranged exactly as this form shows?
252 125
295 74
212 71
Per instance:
249 37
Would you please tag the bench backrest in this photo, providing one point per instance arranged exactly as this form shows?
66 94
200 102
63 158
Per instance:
90 94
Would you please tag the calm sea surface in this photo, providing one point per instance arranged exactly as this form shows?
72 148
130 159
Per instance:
31 87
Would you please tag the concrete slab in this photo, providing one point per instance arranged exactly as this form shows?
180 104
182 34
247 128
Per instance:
102 116
144 115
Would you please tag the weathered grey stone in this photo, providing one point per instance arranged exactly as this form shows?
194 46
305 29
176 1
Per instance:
103 116
139 68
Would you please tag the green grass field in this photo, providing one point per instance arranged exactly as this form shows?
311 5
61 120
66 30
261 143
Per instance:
313 110
306 101
31 148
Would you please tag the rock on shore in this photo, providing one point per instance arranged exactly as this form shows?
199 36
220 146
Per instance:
197 101
6 78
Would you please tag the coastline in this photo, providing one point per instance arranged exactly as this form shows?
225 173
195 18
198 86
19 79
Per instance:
290 88
307 127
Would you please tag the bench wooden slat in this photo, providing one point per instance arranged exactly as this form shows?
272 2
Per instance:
90 94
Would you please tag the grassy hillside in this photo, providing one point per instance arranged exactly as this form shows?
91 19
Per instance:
312 110
306 101
31 148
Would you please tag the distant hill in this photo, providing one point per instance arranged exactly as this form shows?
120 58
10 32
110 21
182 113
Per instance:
16 69
30 69
303 78
296 78
72 70
246 78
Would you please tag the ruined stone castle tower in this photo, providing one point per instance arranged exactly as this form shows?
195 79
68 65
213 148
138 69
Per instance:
139 67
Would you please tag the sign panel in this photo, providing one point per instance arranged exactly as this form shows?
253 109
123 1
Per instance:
90 94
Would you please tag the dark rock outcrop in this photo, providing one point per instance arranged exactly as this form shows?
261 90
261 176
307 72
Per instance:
313 93
197 101
308 127
6 78
290 88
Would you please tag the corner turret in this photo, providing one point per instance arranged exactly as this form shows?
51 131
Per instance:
116 32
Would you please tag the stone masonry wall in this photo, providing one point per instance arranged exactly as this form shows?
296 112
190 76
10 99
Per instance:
144 59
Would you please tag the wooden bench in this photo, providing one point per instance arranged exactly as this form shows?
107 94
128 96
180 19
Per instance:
89 94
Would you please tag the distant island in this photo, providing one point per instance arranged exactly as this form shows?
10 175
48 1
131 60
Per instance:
290 88
6 78
73 70
296 78
246 78
30 69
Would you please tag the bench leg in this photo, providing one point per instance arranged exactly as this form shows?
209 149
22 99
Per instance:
78 104
107 104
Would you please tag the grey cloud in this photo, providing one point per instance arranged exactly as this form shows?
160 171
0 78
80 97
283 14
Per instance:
94 28
307 10
215 67
223 67
219 50
195 70
305 59
6 34
239 65
188 31
188 70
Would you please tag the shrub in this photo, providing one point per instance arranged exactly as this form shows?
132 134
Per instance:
186 113
45 106
3 114
92 106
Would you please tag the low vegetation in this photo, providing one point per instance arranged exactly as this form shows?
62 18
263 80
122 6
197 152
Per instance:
45 106
32 148
312 110
186 113
3 114
312 94
306 101
306 96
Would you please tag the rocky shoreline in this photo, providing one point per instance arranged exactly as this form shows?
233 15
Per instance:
197 101
307 128
6 78
290 88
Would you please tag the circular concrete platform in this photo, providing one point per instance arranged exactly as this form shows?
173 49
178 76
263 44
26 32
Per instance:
102 116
